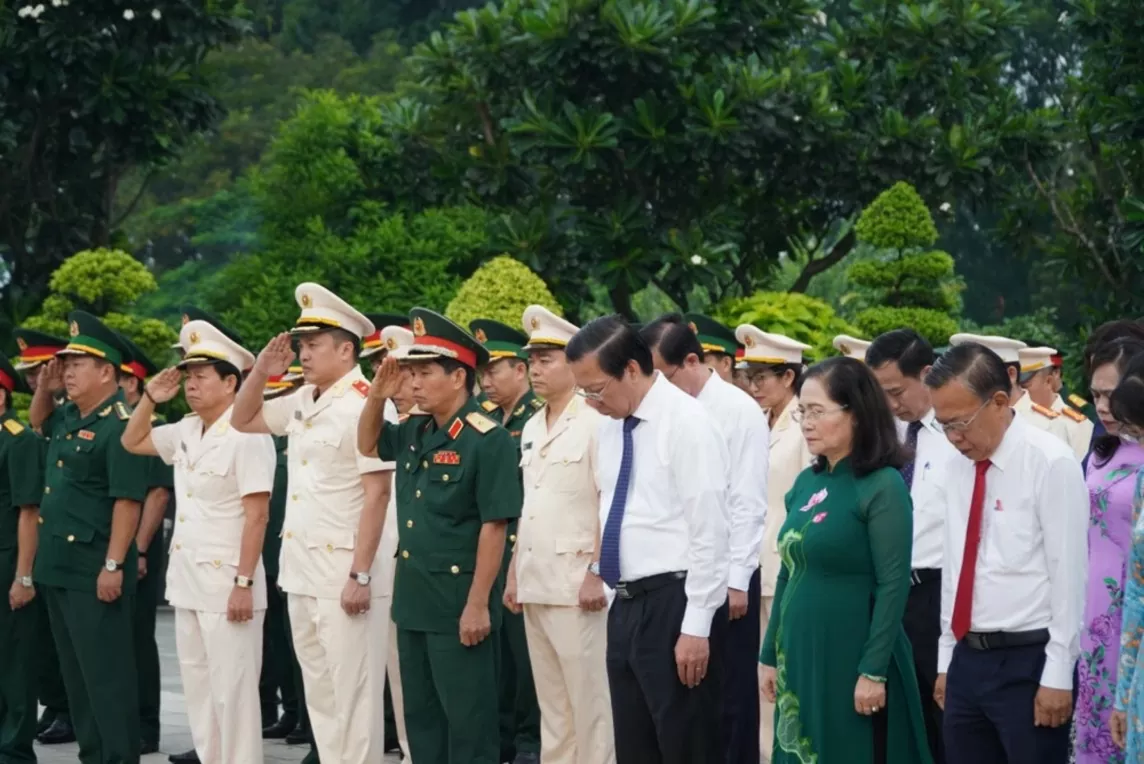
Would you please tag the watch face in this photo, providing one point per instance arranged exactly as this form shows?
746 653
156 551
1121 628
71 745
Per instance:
111 566
363 578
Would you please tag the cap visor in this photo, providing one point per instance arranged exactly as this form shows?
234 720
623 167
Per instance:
371 352
542 346
27 366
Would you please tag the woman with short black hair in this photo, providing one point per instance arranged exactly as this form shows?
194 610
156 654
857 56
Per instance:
836 658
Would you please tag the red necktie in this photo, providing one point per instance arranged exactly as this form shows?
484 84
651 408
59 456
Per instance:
963 604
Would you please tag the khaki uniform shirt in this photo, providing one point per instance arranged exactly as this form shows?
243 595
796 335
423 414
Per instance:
1078 425
326 495
789 456
1049 422
214 470
557 532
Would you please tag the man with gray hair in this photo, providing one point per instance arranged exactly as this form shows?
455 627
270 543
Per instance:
1014 571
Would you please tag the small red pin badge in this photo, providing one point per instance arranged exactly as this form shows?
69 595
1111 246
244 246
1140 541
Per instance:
86 435
997 507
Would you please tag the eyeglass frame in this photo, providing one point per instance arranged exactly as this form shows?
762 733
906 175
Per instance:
596 396
800 415
964 425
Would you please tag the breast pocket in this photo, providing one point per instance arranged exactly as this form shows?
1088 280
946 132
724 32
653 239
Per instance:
567 468
80 460
446 494
1011 531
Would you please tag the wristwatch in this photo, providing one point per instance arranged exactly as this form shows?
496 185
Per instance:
111 566
24 581
362 578
594 569
242 582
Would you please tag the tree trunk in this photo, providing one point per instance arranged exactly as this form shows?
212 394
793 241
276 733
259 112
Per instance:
815 267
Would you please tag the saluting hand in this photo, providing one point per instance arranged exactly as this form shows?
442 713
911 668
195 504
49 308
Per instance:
387 381
275 358
475 624
165 385
109 586
51 376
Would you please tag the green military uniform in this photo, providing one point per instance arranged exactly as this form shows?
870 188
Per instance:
37 348
519 710
451 480
21 485
150 588
87 471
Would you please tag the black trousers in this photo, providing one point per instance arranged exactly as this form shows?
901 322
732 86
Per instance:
741 679
923 627
658 719
989 709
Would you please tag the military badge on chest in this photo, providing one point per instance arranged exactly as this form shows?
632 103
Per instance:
446 457
85 435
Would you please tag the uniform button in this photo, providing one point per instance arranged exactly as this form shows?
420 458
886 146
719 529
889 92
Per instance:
178 547
60 463
40 520
68 436
544 452
182 518
412 448
538 484
217 563
304 462
329 547
512 538
407 465
418 494
188 494
71 539
405 554
289 534
445 478
565 461
309 425
47 489
424 464
408 523
455 569
294 497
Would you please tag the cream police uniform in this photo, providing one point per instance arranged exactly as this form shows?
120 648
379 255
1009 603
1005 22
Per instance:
1078 427
851 347
219 661
342 657
1038 416
555 544
396 340
788 456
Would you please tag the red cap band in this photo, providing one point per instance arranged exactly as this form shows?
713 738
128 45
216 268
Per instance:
463 354
7 382
135 369
34 353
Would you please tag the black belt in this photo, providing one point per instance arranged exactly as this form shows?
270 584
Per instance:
997 640
627 590
924 575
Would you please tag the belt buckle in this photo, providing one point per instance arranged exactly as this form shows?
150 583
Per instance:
622 590
979 641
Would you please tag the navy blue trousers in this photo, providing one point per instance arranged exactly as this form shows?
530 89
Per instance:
741 682
989 709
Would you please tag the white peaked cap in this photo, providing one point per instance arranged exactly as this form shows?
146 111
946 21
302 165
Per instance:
545 329
1002 346
397 340
1035 359
764 347
203 343
322 309
851 347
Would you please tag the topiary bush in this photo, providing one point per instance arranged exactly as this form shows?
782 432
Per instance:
897 219
792 314
934 326
500 290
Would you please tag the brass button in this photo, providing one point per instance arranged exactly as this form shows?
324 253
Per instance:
71 539
445 477
309 425
424 464
178 546
407 466
217 563
455 569
47 489
565 461
405 554
305 462
289 534
188 494
294 497
512 538
408 523
329 547
544 452
68 436
418 494
182 518
77 449
412 448
40 520
60 463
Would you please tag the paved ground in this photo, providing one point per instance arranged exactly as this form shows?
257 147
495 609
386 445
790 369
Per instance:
176 736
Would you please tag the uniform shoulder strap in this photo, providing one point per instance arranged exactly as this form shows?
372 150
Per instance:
480 422
12 426
1043 411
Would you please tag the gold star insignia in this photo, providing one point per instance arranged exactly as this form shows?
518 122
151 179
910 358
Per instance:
194 338
749 341
844 348
74 329
419 327
306 301
481 336
692 327
391 343
535 322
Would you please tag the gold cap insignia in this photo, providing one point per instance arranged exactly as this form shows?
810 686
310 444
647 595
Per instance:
391 343
74 329
535 322
749 341
21 344
691 325
306 301
418 327
481 336
186 319
194 338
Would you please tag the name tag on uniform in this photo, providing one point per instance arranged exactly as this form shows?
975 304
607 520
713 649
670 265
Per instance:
298 415
446 457
86 435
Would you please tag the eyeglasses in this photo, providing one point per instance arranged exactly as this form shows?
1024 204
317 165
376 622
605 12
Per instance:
963 426
810 416
757 377
598 395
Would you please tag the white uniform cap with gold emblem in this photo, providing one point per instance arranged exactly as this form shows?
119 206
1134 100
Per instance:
764 347
1034 360
1002 346
851 347
397 340
203 343
545 329
322 309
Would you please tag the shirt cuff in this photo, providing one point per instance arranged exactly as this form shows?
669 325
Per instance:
1056 676
697 621
739 576
944 658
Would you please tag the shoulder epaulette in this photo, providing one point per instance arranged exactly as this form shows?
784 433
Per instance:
1043 411
1074 415
121 411
488 406
362 387
105 412
537 403
1077 401
519 410
12 426
480 422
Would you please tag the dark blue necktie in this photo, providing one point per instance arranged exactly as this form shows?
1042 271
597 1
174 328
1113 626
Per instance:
610 539
912 445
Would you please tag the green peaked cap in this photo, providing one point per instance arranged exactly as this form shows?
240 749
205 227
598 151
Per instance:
135 361
501 340
713 336
435 336
36 348
90 337
11 379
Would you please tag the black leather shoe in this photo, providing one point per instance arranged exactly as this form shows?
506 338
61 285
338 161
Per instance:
59 733
190 757
146 748
526 758
281 728
45 721
298 736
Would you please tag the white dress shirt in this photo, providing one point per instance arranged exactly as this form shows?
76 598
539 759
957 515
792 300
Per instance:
1032 561
213 471
931 460
675 516
747 435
